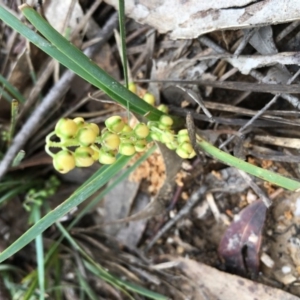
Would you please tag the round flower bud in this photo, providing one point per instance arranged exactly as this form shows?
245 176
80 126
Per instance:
172 145
127 140
93 126
126 149
155 136
149 98
163 108
64 161
140 145
106 157
166 120
163 127
166 137
182 153
66 128
115 124
95 155
126 129
110 141
79 121
152 124
193 154
84 157
183 136
86 136
185 149
141 131
132 87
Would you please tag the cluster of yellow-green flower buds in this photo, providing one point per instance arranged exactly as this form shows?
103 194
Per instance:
73 133
92 145
82 143
161 131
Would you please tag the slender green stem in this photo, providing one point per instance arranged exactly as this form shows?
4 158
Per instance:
13 119
5 95
230 160
39 253
11 89
123 39
19 157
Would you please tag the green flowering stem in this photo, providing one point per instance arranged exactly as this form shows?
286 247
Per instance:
64 144
230 160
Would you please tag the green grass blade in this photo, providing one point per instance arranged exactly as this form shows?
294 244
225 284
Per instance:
101 79
104 274
101 272
19 157
39 253
15 191
230 160
123 39
5 95
82 193
12 90
125 285
86 287
13 120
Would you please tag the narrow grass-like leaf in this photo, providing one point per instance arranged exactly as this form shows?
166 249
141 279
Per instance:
129 286
86 287
123 39
82 193
15 191
230 160
19 157
101 273
39 253
105 275
11 89
101 79
5 95
13 120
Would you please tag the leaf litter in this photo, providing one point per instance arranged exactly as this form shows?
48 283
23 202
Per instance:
194 204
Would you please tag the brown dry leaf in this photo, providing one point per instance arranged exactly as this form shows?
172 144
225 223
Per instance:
210 283
131 234
118 202
189 19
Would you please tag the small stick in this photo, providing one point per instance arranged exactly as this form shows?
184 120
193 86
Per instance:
182 213
198 99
